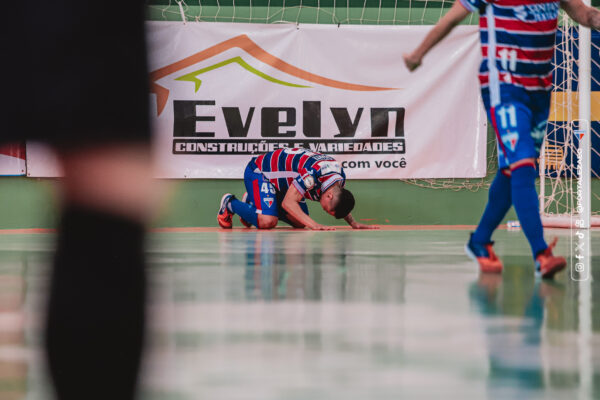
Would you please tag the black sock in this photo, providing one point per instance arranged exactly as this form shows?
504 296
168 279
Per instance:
95 325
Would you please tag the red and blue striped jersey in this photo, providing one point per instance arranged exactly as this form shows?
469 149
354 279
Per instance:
517 43
311 173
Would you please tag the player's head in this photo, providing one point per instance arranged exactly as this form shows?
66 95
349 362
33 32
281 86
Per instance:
337 201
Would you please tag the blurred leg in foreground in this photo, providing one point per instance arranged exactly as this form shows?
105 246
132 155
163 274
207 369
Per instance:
75 77
95 322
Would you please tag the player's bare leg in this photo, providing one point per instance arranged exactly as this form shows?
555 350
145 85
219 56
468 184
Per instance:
95 327
267 221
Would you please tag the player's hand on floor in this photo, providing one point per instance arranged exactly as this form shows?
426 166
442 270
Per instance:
319 227
364 226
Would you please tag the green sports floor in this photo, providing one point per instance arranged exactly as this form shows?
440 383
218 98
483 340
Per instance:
366 315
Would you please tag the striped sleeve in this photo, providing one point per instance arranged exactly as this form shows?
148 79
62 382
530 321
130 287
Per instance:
305 182
474 5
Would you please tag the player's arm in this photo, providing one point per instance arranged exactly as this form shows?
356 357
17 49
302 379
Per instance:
355 225
457 13
581 13
291 205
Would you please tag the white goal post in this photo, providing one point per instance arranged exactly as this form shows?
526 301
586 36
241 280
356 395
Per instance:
565 159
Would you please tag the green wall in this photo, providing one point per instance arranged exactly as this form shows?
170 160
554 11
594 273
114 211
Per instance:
30 203
27 202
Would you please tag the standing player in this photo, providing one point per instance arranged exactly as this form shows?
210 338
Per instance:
517 44
277 184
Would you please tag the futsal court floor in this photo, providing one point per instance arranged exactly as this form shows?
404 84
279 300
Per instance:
301 315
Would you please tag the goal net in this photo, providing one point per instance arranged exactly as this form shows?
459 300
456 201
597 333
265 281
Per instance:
369 12
560 187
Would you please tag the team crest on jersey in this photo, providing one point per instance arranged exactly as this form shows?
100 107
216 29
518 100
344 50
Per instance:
510 140
268 201
309 181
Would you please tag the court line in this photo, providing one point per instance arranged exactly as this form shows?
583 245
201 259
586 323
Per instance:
27 231
340 228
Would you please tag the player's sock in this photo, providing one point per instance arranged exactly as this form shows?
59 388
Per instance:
499 202
525 200
245 210
95 325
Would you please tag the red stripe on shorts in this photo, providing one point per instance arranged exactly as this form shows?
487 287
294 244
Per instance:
525 164
256 194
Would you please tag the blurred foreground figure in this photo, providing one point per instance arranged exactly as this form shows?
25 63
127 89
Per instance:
74 76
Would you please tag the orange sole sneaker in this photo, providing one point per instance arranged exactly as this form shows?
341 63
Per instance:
548 264
224 216
488 261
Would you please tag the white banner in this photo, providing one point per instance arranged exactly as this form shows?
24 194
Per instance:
12 159
223 92
42 161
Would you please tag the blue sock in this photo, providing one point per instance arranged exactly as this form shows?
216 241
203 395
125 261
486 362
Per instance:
244 210
499 202
525 200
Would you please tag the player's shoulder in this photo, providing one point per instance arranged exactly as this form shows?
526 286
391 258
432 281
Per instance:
480 5
328 166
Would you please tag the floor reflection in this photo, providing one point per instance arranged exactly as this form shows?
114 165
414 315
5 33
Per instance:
331 315
13 365
312 267
532 330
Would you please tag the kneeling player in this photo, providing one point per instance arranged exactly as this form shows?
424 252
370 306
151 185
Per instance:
277 184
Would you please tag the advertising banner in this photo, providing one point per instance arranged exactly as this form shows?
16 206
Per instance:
222 93
225 92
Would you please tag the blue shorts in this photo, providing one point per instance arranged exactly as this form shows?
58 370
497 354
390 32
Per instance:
263 195
519 122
